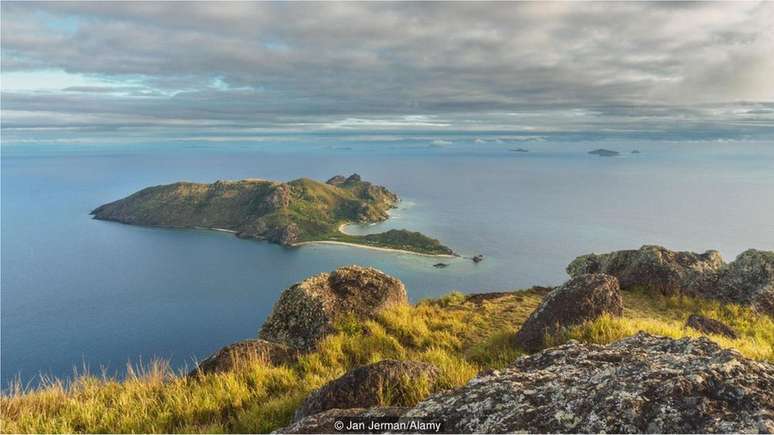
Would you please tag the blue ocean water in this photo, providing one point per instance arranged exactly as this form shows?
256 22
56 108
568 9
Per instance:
79 292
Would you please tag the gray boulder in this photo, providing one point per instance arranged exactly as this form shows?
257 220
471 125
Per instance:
653 268
366 386
584 297
307 311
749 280
709 326
639 384
229 357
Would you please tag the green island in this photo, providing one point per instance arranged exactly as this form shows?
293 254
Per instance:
291 214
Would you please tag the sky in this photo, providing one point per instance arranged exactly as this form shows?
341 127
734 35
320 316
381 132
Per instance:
103 72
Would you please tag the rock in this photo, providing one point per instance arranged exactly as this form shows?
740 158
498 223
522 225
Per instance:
336 180
604 153
580 299
279 198
441 265
478 258
749 280
366 386
652 268
636 385
709 326
635 151
227 358
286 235
324 422
307 311
354 178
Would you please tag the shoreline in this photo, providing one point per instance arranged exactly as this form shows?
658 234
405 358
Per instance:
375 248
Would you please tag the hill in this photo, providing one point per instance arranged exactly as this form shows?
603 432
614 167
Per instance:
299 211
445 343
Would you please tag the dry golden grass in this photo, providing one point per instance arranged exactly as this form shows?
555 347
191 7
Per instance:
459 335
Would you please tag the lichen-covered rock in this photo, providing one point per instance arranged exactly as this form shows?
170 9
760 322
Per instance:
749 280
307 311
367 386
582 298
652 268
709 326
324 422
229 357
639 384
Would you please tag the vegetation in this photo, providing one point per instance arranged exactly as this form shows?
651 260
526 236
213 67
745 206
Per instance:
299 211
459 334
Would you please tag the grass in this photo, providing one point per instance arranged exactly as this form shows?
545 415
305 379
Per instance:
461 335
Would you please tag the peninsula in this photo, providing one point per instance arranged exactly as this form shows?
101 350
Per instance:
293 213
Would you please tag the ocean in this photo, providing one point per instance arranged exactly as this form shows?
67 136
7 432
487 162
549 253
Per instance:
79 293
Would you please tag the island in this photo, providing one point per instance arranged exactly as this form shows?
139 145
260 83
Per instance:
519 150
294 213
604 153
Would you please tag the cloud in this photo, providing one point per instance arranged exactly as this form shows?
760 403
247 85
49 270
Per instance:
519 67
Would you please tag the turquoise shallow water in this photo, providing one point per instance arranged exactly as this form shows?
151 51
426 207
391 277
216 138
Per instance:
77 292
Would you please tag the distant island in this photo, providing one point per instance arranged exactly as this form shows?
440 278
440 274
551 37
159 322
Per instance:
290 214
519 150
604 153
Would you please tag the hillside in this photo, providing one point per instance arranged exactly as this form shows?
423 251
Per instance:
291 213
354 317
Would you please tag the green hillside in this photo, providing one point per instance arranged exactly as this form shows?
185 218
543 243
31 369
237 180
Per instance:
298 211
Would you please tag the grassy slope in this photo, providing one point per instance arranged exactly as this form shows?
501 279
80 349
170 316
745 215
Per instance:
459 335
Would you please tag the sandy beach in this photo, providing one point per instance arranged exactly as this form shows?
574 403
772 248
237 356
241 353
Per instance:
375 248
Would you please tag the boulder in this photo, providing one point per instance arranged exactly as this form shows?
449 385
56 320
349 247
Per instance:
336 180
580 299
324 422
354 178
749 280
307 311
709 326
652 268
367 386
636 385
229 357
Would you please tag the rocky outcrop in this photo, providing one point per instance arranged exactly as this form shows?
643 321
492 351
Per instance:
307 311
709 326
652 268
639 384
583 298
336 180
368 386
748 280
324 422
229 357
278 198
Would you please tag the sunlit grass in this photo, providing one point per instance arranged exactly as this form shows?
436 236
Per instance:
459 336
